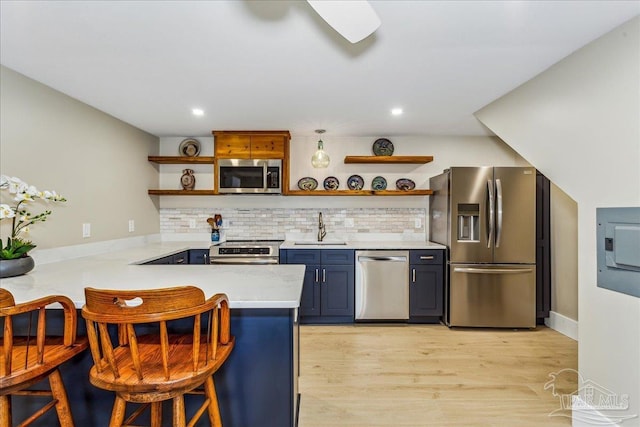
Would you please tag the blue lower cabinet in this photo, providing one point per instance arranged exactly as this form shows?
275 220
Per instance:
329 285
426 286
198 256
310 300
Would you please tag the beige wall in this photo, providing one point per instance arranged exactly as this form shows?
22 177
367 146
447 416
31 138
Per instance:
578 123
97 162
564 254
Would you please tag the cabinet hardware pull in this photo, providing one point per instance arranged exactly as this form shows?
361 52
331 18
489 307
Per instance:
427 257
316 275
324 276
180 261
414 275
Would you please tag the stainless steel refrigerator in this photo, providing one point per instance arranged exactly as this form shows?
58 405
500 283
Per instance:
486 216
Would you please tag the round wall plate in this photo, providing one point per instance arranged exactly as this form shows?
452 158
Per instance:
189 147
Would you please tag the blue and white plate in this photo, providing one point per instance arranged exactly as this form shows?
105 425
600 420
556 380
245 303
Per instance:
379 183
382 147
331 183
355 182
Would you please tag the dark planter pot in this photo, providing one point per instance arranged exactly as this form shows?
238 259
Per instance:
16 267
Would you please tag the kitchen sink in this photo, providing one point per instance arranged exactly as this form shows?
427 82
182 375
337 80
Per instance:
324 243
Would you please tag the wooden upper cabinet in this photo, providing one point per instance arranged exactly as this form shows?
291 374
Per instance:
250 144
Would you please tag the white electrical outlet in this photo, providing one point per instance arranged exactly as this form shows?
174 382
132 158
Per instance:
86 230
192 223
348 222
132 226
418 223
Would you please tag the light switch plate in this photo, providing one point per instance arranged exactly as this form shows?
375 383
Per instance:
132 226
86 230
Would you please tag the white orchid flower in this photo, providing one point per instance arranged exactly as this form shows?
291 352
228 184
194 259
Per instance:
6 211
20 197
4 181
32 191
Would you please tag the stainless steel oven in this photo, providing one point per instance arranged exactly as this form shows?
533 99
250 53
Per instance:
249 176
246 252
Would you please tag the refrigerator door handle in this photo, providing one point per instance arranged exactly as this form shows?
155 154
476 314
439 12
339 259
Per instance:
498 212
492 270
491 215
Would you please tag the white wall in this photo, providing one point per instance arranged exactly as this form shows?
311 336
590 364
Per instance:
446 150
97 162
579 123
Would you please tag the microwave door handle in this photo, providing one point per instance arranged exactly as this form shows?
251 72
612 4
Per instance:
265 170
498 212
491 219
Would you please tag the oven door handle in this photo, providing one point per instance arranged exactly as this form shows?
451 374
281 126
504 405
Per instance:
262 261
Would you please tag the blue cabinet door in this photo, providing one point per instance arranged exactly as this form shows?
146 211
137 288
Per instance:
310 300
426 285
337 290
198 256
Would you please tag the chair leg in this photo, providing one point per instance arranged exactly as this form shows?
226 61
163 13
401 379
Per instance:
5 411
117 414
60 394
179 416
214 410
156 414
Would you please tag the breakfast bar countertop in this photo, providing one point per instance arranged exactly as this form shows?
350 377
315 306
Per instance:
247 286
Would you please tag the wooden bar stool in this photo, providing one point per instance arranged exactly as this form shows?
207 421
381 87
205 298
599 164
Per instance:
27 360
137 356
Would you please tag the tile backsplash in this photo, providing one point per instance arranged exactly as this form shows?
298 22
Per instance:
257 223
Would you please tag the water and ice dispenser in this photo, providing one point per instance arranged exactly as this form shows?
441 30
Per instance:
468 222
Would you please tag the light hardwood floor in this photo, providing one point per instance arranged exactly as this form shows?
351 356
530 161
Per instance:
430 375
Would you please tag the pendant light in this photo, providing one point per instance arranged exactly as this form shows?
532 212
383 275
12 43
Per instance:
320 158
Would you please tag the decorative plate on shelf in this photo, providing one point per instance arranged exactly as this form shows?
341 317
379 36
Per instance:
379 183
355 182
382 147
405 184
307 183
189 147
331 183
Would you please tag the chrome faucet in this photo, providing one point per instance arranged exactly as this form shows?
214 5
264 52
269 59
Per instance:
321 231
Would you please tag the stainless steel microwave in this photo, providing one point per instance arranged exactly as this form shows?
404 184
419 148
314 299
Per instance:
249 176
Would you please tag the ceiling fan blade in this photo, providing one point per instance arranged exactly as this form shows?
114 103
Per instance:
352 19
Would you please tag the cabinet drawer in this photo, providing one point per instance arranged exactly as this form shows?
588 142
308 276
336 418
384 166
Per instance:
303 256
429 256
337 256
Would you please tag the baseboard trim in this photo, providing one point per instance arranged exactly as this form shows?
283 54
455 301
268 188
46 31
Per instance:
562 324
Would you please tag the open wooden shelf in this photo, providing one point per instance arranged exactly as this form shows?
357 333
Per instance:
176 160
388 159
359 193
182 192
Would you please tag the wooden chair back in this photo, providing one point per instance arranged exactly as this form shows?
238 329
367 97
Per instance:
157 344
26 360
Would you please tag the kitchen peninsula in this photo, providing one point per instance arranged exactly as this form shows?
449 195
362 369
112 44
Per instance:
257 385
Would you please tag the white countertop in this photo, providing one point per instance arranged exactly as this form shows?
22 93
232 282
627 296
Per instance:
247 286
374 244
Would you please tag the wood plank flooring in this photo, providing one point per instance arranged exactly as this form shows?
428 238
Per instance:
429 375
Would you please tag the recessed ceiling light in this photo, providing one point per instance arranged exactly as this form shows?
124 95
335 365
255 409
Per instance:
396 111
197 112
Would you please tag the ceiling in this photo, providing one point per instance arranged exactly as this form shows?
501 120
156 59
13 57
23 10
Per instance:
278 65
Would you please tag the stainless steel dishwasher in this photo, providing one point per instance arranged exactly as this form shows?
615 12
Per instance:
382 285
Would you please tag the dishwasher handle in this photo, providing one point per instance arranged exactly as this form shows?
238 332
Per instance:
367 258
